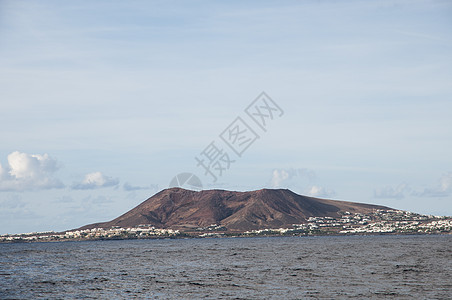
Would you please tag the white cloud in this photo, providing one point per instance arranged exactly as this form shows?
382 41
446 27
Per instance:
98 200
28 172
23 165
318 191
442 189
128 187
446 182
389 192
95 180
300 181
279 176
290 177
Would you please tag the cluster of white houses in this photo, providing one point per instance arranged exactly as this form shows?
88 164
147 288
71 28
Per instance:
438 226
379 221
142 231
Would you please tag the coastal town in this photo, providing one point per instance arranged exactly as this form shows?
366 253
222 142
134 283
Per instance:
142 231
377 222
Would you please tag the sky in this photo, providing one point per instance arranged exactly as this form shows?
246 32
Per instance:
104 103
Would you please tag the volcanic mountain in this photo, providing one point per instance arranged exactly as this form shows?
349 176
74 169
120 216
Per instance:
182 209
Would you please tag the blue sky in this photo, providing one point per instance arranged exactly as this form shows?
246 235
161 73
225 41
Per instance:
104 102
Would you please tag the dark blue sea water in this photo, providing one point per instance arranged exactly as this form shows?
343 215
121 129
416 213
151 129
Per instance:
398 267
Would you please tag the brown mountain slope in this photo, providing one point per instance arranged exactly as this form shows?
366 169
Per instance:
238 211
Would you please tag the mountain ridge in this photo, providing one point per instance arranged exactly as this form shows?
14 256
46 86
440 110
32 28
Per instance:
186 210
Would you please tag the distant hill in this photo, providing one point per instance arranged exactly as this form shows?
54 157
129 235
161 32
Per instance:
182 209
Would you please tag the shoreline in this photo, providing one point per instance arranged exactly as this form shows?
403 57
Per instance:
184 237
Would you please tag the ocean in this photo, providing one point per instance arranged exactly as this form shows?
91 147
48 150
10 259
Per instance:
333 267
